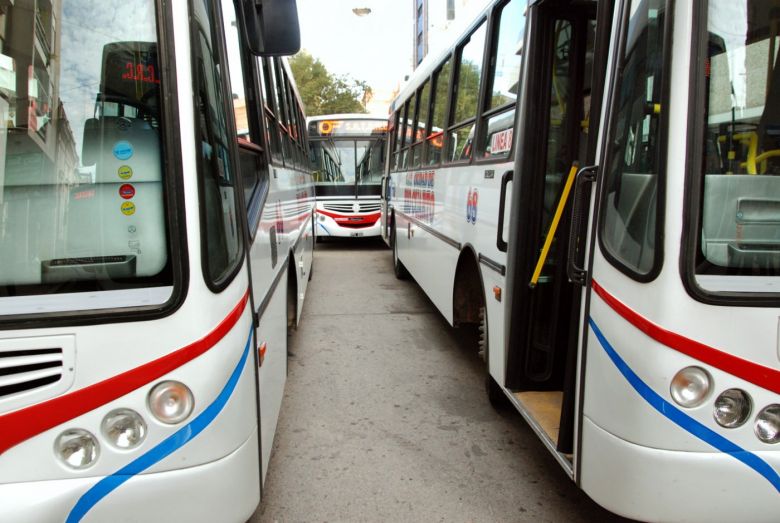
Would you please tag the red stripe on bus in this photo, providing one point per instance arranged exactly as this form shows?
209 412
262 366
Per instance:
364 218
756 374
20 425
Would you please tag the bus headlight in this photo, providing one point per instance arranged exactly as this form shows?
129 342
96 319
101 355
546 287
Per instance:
124 428
77 448
690 387
171 402
768 424
732 408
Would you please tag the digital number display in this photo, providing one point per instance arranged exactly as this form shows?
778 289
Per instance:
130 74
140 73
348 128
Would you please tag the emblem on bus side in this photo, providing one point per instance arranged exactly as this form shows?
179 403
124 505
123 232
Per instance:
471 206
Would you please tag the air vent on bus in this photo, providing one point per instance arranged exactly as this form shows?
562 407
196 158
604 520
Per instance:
338 207
23 370
349 208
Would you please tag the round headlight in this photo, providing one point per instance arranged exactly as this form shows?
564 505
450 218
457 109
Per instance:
768 424
124 428
77 448
171 402
690 387
732 408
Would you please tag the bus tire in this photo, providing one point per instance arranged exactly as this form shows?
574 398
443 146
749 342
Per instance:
398 267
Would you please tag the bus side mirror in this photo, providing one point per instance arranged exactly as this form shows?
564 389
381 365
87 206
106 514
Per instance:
89 148
271 26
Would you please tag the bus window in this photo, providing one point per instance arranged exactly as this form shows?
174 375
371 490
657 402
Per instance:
435 133
222 237
419 127
409 130
504 81
82 203
739 232
466 94
628 227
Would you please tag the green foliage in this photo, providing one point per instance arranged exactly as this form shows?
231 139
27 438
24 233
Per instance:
325 93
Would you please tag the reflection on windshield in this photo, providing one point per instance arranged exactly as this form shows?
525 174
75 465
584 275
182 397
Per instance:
740 233
81 204
347 162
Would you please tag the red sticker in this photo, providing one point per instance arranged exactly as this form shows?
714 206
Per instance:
127 191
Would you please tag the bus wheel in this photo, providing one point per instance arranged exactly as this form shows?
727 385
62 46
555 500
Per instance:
398 267
495 395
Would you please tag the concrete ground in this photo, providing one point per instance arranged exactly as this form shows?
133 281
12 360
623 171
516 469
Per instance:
385 416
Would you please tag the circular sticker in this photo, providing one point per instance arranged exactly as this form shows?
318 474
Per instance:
123 150
128 208
126 191
125 172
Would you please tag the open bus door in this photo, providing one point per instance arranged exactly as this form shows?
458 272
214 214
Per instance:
564 77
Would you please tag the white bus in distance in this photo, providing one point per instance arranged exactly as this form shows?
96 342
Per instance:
347 153
155 246
630 317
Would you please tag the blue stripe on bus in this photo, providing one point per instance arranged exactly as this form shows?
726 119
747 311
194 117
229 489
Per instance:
674 414
324 229
168 446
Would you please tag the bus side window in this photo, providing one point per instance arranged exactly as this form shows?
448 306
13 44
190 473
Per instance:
503 81
254 174
635 158
435 132
465 95
217 179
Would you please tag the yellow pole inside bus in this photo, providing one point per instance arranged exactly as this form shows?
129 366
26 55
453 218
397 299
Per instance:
554 225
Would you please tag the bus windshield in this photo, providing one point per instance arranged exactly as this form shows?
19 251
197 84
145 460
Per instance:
739 236
81 177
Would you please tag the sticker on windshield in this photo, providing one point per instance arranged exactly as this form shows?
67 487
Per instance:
128 208
125 172
126 191
123 150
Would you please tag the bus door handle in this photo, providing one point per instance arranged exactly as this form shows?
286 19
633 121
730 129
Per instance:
500 243
579 222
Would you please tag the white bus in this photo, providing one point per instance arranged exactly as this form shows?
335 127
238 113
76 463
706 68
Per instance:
155 243
347 153
631 317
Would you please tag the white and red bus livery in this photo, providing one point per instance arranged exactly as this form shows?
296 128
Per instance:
155 244
347 152
628 309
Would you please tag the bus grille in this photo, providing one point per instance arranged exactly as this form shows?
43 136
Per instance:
23 370
348 208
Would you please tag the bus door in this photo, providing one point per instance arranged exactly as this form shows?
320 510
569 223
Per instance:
543 309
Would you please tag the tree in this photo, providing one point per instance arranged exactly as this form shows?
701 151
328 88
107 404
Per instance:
325 93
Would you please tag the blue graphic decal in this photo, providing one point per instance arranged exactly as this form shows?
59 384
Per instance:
677 416
123 150
167 447
324 229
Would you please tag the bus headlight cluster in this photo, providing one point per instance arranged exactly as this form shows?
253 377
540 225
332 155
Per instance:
767 426
171 402
124 429
690 387
732 408
77 448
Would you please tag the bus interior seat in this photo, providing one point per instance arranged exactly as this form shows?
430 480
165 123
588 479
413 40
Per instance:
741 220
633 228
78 230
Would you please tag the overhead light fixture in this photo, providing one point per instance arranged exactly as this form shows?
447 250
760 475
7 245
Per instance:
361 11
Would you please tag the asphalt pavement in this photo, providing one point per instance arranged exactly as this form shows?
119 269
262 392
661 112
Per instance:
385 417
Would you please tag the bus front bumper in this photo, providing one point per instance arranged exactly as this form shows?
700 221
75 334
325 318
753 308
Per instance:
651 484
224 490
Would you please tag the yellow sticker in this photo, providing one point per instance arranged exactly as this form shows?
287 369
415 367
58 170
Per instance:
128 208
125 172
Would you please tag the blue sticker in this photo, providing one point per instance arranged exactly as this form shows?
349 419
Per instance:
123 150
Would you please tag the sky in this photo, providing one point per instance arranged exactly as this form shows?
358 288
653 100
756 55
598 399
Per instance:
376 48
